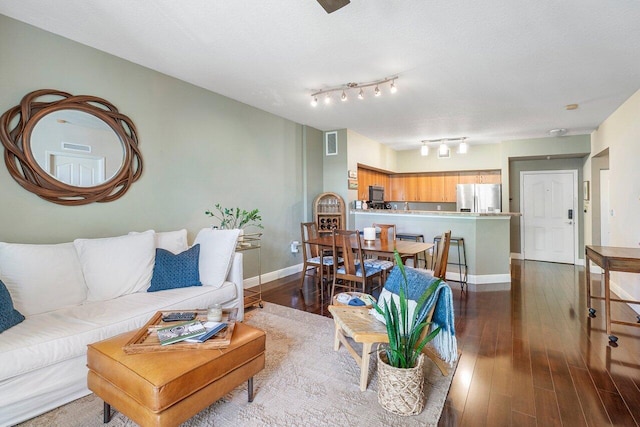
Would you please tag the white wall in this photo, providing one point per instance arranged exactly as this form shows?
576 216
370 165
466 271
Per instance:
199 148
620 134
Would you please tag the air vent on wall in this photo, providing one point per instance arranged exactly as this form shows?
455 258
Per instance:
76 147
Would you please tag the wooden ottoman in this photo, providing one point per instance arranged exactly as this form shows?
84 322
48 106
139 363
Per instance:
167 388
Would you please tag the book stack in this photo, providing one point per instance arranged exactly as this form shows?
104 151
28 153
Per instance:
191 331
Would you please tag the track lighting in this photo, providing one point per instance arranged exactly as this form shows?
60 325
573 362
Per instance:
444 151
463 147
346 87
424 150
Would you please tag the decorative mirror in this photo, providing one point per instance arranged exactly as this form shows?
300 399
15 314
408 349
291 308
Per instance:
70 150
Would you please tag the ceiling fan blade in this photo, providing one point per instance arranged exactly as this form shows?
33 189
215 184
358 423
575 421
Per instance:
333 5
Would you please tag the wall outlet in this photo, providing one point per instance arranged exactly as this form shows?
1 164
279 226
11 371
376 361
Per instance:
294 246
439 207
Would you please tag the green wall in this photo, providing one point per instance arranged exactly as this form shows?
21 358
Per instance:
199 149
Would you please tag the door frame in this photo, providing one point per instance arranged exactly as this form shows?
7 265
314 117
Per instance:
576 217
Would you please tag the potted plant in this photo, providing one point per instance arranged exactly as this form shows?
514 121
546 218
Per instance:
231 218
401 375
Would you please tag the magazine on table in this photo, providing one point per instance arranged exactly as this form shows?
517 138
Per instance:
180 332
212 328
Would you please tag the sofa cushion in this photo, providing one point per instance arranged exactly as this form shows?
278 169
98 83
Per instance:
172 241
49 338
42 278
216 253
175 271
116 266
9 316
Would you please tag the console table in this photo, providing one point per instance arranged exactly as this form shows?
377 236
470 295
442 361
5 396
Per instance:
610 259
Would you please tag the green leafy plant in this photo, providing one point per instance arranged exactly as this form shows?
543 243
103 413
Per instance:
231 218
405 342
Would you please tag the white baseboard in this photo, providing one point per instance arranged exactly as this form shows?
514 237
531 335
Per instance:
615 288
272 275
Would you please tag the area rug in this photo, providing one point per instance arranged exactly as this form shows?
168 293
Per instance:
304 383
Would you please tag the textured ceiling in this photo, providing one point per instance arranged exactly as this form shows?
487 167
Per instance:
489 70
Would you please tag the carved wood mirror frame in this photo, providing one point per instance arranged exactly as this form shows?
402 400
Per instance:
16 127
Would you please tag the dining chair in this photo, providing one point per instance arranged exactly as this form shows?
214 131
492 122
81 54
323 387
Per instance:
314 257
382 261
353 271
440 265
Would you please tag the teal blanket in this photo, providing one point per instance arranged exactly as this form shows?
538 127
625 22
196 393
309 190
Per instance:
418 281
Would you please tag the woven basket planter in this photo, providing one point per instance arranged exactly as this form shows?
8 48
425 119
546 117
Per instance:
401 391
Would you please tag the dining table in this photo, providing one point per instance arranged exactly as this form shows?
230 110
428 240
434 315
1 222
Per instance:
405 248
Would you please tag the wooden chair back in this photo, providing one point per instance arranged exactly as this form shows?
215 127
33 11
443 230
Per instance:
440 267
387 232
342 239
309 230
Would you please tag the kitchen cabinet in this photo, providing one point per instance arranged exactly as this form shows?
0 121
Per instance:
450 180
430 188
480 177
367 177
434 187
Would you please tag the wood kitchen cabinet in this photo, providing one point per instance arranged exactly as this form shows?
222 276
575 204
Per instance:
367 177
480 177
430 188
434 187
404 188
450 180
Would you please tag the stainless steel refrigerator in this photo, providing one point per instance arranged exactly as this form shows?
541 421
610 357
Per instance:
478 197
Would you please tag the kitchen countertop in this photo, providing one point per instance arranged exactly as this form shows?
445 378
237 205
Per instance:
430 213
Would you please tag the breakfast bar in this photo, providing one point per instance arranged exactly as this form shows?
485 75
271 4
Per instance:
486 238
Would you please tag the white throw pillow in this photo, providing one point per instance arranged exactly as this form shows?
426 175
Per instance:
116 266
172 241
42 278
216 253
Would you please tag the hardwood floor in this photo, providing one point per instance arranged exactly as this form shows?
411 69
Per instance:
530 356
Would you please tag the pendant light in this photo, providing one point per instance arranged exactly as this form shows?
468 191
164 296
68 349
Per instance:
463 147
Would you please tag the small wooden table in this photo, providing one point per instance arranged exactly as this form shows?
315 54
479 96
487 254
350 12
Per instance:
610 259
358 324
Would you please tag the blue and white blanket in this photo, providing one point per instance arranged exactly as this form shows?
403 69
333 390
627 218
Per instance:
418 281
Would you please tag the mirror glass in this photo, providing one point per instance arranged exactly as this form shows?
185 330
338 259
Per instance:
77 148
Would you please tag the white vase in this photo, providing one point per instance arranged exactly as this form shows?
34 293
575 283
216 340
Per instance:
241 235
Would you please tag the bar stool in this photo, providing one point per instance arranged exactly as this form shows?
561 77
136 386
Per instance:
461 262
416 238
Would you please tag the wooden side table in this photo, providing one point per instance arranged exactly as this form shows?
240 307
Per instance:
357 324
610 259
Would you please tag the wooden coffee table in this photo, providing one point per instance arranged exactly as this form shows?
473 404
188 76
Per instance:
169 387
357 324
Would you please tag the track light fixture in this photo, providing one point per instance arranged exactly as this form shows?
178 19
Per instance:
463 147
444 149
349 86
424 150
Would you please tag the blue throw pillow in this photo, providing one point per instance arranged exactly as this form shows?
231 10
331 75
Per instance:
9 316
175 271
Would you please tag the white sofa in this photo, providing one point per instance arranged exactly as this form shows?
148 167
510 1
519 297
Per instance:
73 294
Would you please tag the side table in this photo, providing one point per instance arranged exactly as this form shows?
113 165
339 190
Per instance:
357 324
